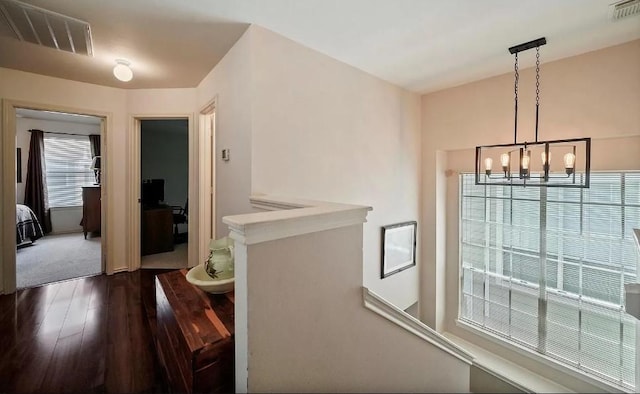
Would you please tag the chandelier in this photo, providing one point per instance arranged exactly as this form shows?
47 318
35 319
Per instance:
557 163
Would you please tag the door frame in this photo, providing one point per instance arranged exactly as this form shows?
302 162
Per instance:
8 193
134 193
207 166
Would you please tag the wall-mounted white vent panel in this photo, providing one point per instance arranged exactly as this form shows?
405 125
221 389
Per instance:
623 9
43 27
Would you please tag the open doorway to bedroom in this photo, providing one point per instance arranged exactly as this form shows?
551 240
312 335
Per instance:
58 196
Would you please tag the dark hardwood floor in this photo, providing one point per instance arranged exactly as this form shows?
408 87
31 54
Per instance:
92 334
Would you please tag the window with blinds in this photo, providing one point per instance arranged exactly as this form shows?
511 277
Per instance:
545 268
68 162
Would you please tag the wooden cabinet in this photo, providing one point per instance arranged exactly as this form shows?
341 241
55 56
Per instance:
91 209
195 336
157 230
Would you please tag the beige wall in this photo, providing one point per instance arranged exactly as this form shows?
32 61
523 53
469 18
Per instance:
590 95
230 84
595 95
324 130
178 101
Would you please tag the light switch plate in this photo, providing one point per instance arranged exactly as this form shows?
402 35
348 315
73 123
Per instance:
225 154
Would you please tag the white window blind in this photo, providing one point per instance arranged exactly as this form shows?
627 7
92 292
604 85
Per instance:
545 268
68 162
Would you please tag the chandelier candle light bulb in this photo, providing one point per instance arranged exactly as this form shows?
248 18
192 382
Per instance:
524 164
525 161
544 158
569 162
504 161
488 162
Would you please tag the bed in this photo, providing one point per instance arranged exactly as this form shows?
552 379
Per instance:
27 225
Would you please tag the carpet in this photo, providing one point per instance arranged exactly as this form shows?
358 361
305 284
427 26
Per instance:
176 259
58 257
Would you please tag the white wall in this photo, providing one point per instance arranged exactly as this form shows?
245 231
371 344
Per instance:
308 330
325 130
23 139
595 95
66 220
230 82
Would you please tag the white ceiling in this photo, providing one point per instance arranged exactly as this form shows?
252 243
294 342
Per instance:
422 45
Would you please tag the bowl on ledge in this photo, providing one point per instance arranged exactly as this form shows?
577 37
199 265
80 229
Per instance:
198 277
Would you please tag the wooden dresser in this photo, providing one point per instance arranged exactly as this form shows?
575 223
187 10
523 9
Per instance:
195 335
91 209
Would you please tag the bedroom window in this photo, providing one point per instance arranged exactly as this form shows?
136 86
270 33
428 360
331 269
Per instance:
545 268
67 161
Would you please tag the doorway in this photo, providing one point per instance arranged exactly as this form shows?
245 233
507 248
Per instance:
63 241
47 216
207 169
164 193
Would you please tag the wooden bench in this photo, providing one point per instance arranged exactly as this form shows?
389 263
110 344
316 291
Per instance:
195 335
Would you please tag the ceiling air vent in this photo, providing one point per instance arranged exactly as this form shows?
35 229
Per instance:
43 27
623 9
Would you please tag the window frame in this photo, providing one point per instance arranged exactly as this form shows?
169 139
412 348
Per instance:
586 374
88 175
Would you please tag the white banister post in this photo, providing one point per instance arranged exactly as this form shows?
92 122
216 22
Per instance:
285 218
241 316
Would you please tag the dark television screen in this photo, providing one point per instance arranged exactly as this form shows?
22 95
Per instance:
152 191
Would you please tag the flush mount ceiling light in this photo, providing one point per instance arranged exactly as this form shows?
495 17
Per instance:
122 71
558 163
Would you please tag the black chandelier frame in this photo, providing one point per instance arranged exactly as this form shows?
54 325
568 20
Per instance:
524 176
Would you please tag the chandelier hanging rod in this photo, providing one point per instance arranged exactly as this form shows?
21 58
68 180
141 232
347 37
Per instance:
514 50
528 45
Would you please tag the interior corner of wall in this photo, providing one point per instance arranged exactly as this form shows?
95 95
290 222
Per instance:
251 28
440 238
257 29
251 34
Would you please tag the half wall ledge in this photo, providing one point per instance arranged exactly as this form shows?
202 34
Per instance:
285 217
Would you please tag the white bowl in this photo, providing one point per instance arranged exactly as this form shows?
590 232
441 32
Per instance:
198 277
